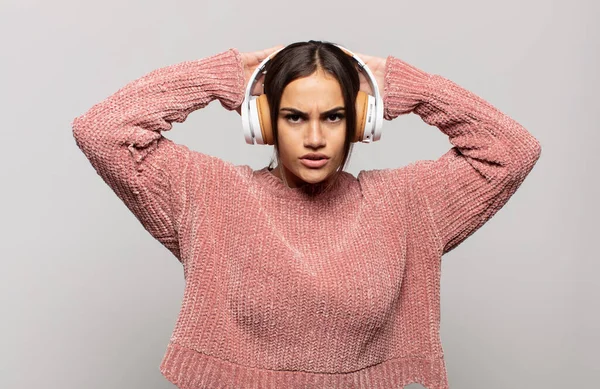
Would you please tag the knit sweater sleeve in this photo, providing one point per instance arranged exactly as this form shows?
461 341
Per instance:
121 137
491 157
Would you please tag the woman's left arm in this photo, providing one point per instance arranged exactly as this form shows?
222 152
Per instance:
491 157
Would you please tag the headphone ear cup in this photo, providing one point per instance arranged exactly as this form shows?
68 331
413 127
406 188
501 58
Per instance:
264 118
362 108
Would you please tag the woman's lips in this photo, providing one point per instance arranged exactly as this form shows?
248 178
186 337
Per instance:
314 163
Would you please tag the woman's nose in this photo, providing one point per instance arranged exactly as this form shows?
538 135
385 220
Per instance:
315 133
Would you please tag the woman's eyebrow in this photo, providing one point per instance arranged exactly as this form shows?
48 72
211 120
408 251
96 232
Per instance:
298 112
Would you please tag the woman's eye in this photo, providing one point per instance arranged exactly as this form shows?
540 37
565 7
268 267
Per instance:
288 117
336 115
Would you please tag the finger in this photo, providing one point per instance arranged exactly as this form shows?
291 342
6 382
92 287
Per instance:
275 48
266 52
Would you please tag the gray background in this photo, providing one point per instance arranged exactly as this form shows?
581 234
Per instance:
89 298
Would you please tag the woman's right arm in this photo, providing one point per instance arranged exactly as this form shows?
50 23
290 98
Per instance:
121 137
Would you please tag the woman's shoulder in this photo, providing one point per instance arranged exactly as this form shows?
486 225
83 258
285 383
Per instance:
385 178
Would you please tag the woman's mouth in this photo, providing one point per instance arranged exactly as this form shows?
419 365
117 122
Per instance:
314 163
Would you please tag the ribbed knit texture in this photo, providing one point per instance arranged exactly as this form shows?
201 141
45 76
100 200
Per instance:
286 289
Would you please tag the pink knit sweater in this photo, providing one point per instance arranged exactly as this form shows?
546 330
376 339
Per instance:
290 290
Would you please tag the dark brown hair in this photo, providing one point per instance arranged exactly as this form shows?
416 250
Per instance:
302 59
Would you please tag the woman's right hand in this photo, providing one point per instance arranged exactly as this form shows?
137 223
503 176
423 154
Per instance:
251 61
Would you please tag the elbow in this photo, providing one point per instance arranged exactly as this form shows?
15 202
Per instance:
526 158
532 151
86 138
79 131
537 149
76 128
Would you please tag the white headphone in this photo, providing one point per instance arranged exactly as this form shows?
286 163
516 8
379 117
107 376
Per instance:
256 118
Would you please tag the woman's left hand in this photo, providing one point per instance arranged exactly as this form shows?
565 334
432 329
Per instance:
250 61
377 67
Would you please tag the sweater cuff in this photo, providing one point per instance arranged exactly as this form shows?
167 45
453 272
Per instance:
225 75
404 87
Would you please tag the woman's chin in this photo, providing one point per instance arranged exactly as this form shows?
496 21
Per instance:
313 176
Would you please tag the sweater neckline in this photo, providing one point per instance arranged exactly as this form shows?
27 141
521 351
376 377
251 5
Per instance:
309 192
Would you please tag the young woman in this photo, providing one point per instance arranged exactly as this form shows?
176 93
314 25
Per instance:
305 276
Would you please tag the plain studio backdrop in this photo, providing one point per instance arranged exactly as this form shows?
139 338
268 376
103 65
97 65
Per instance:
89 298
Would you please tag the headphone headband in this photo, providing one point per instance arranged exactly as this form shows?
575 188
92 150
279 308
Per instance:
245 108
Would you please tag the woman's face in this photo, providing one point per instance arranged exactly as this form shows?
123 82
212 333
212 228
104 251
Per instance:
309 121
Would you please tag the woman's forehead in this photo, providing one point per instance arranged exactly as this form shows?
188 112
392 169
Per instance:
313 92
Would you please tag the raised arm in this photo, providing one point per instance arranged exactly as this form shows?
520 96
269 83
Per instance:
491 157
121 137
